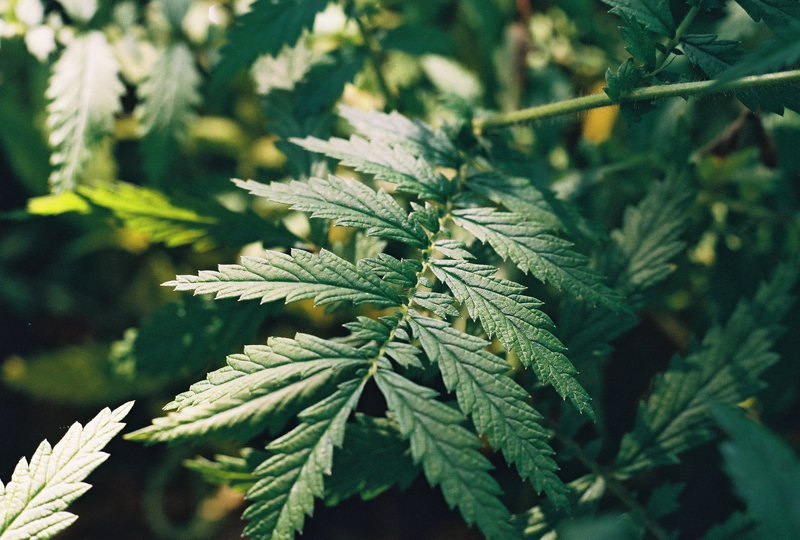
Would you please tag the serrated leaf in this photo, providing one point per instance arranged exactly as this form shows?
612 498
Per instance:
33 504
179 221
234 472
394 129
394 164
292 477
257 391
627 77
84 92
535 250
522 196
448 453
169 94
268 26
765 472
649 238
326 278
640 44
373 458
284 70
782 16
438 303
724 368
655 15
504 312
349 202
400 272
496 403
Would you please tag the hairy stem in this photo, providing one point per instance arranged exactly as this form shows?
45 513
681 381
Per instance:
649 93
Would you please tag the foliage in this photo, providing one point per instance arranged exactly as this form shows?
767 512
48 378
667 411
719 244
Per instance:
414 284
33 503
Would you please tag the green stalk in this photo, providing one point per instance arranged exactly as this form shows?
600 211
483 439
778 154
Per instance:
649 93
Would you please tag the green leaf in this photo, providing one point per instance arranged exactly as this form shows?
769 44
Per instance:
765 472
496 403
373 458
258 390
394 129
448 453
179 221
534 249
504 312
265 29
641 44
33 504
438 303
325 278
536 203
84 93
725 368
169 97
400 272
349 202
234 472
627 77
394 164
286 69
182 337
782 16
655 15
739 526
649 238
292 477
325 82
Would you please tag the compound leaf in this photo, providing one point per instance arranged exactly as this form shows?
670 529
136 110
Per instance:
33 504
725 368
782 16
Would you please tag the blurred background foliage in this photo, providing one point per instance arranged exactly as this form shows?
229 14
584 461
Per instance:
85 321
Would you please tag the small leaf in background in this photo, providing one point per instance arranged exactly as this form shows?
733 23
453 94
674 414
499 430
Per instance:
765 472
84 94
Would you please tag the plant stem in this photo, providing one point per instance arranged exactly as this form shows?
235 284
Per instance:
649 93
672 43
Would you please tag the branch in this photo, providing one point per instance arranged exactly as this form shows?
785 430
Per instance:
649 93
